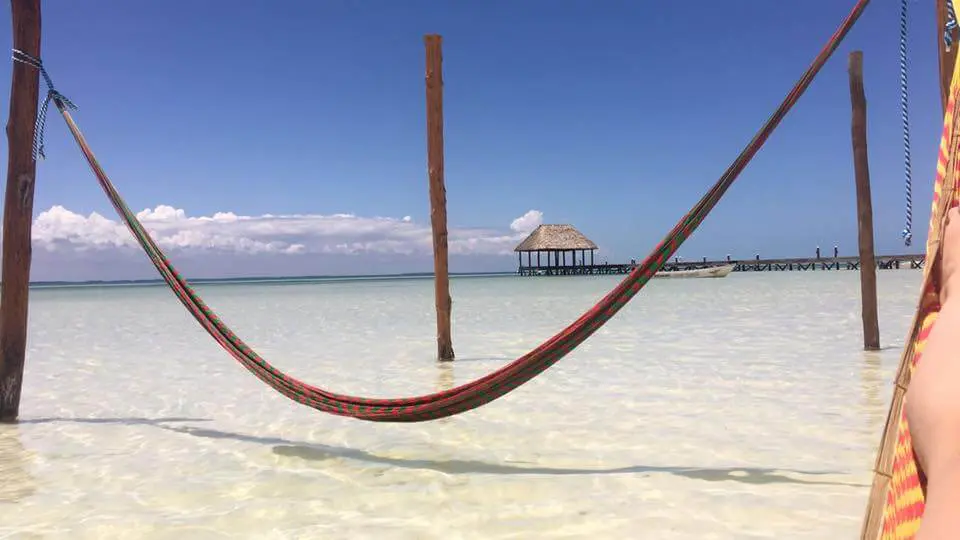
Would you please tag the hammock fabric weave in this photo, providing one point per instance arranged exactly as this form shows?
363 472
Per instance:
903 503
498 383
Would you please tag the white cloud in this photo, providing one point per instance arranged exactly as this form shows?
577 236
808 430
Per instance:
526 223
59 230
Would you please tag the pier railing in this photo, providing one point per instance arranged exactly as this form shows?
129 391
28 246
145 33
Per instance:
884 262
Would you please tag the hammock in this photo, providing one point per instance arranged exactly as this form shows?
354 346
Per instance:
897 497
498 383
494 385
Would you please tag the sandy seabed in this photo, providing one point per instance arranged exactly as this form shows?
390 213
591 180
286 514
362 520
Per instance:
735 408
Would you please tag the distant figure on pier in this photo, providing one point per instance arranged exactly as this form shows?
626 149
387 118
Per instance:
836 252
818 252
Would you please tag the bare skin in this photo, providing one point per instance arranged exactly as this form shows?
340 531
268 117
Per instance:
933 400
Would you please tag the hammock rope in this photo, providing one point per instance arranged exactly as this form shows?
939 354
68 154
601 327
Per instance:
905 120
500 382
950 24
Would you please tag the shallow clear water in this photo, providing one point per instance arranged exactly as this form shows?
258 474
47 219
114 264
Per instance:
734 408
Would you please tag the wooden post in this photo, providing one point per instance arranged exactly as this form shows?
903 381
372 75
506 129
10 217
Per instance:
946 57
18 208
438 194
868 264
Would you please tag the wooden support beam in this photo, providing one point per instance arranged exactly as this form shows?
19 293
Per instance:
946 57
18 208
868 267
438 194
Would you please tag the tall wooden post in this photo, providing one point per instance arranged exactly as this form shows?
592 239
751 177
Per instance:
946 57
18 208
438 194
868 264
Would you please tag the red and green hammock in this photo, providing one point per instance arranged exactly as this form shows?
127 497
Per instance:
490 387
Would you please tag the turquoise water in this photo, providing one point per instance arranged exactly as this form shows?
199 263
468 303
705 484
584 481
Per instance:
734 408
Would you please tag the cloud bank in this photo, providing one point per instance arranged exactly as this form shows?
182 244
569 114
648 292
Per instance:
71 246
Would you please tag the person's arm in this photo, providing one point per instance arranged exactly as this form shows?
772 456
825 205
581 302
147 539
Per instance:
933 401
939 431
941 517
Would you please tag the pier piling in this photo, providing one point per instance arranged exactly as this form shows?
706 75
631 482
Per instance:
438 194
18 208
868 267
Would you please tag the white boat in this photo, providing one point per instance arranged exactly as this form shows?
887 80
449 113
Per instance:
711 272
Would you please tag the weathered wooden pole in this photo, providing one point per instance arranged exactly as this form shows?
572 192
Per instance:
18 208
946 56
438 194
868 263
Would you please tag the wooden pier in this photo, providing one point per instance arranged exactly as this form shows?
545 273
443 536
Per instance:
883 262
562 250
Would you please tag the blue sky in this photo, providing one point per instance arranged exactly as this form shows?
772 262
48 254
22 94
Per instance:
614 116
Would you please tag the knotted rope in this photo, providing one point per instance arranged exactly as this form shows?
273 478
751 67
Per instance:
60 100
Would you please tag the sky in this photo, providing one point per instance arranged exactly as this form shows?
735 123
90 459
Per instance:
288 138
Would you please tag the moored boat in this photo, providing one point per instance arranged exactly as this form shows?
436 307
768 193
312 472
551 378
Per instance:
710 272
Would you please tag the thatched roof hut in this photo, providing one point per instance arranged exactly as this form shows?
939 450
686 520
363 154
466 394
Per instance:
556 241
555 238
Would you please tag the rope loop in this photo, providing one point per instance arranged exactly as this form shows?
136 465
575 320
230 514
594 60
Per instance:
950 25
907 232
61 101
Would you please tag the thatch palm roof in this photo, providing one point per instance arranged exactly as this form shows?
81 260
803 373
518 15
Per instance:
555 237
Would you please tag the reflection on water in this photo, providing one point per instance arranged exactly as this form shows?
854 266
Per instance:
445 376
16 482
876 394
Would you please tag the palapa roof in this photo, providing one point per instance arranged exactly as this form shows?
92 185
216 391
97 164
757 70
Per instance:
555 237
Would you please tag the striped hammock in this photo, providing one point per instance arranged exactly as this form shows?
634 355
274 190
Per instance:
897 498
